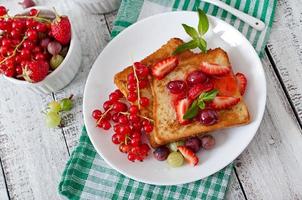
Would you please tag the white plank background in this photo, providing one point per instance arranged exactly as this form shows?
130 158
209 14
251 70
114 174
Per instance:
33 157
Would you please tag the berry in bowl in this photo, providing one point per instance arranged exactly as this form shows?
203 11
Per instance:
38 49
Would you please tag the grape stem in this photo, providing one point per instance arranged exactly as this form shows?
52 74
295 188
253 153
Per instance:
14 52
103 115
70 97
126 113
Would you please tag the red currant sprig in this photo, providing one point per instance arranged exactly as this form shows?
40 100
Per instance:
14 51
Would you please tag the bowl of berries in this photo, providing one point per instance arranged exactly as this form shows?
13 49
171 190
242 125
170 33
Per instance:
38 49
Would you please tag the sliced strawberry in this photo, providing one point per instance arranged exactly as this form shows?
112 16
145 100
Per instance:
189 155
181 108
221 102
162 68
214 69
197 89
242 81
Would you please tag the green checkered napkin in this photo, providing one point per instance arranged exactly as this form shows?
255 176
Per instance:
87 176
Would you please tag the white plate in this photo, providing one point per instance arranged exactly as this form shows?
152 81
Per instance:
138 41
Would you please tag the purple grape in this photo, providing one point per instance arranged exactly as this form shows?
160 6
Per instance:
54 47
161 153
196 77
193 143
44 42
207 117
208 142
176 87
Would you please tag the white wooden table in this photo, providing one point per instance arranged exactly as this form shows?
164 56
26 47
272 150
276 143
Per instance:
33 157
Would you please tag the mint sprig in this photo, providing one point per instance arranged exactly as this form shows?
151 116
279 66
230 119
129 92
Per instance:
197 36
199 103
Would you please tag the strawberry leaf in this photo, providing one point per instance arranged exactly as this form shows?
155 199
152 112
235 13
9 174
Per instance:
203 24
191 31
192 111
189 45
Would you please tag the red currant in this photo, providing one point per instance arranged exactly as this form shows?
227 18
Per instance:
125 148
28 45
10 72
132 97
18 25
132 87
33 12
134 118
107 105
6 42
131 157
133 109
119 107
37 49
32 35
3 11
144 101
148 128
143 84
96 114
41 27
25 54
119 93
123 119
106 125
114 96
124 130
135 141
136 126
115 138
131 78
115 117
40 56
15 33
19 70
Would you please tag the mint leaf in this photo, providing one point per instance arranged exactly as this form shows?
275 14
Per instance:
201 104
192 111
189 45
191 31
203 24
208 96
202 45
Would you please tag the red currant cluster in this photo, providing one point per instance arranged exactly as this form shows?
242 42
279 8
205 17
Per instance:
24 50
129 125
137 80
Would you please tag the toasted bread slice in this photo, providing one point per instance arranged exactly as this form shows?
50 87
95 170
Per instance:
167 128
165 51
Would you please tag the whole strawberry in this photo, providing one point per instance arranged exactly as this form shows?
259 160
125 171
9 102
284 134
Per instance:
61 29
35 71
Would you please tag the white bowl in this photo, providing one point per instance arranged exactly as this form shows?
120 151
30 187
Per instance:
99 6
64 74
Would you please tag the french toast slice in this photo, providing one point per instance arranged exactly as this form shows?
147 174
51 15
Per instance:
120 79
167 128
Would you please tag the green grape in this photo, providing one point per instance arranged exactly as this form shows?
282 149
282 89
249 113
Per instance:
55 61
66 104
53 119
54 106
175 159
173 146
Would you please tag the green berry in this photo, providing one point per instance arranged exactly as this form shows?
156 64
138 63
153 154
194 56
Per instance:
53 119
173 146
54 106
66 104
175 159
55 61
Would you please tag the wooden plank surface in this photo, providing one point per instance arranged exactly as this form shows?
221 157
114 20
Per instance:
270 168
285 46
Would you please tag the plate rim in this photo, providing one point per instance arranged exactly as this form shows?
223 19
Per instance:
110 43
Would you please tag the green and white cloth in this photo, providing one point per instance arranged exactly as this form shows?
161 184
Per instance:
87 176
